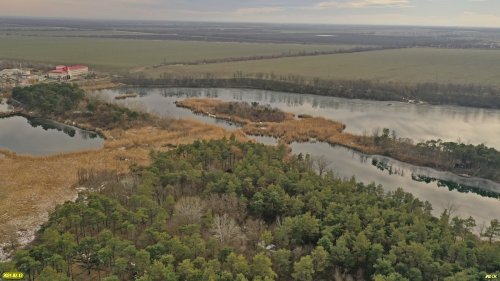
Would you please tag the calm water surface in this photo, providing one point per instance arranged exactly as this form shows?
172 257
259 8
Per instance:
419 122
266 140
347 163
44 137
4 107
163 103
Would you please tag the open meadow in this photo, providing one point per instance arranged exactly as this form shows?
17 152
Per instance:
411 65
124 54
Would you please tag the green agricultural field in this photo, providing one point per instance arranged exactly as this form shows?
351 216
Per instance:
53 32
402 65
124 54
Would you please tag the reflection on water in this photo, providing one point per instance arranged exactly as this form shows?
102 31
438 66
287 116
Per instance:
385 166
44 137
68 130
393 174
418 122
162 102
456 186
413 121
458 183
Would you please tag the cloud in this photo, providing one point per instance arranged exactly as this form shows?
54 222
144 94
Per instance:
258 10
359 4
407 12
469 18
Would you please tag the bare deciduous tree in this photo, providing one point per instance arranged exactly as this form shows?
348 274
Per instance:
189 209
225 229
321 163
253 230
228 204
451 208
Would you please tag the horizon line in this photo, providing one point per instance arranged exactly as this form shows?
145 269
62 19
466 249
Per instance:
237 22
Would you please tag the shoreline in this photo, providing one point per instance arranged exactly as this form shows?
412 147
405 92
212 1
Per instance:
39 183
117 145
28 115
328 131
356 89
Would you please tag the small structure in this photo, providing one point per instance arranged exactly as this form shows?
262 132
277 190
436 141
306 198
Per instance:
58 74
19 72
68 72
10 72
16 77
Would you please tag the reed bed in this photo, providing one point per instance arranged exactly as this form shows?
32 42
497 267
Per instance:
30 186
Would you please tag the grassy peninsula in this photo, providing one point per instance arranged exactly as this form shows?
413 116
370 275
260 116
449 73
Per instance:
472 160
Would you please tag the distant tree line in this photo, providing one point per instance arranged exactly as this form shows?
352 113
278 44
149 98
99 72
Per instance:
277 56
348 38
434 93
25 64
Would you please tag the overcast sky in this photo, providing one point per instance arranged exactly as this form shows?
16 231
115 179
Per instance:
393 12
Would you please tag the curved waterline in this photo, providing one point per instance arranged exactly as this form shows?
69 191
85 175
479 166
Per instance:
42 137
419 122
356 114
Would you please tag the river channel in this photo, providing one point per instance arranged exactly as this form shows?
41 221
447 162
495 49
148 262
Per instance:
471 196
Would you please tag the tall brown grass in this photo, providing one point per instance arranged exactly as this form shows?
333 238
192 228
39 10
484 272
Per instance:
32 186
238 112
289 130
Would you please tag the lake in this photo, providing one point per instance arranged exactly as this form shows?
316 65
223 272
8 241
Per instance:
418 122
42 137
471 196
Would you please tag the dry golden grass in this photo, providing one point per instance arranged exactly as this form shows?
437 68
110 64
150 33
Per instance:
97 84
303 130
296 129
30 187
203 106
290 130
213 106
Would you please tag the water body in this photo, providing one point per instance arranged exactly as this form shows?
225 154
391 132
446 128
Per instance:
4 107
394 174
162 103
266 140
42 137
472 196
418 122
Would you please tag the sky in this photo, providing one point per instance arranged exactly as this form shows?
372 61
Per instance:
481 13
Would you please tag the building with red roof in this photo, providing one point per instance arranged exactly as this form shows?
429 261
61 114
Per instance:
67 72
